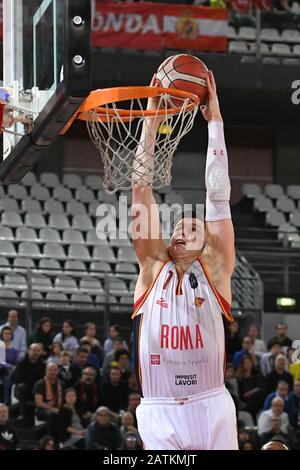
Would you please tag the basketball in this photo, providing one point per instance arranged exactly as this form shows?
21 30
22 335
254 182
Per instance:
183 72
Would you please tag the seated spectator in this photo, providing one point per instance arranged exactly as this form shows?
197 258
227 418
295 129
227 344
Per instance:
282 391
11 359
250 386
231 380
294 404
132 383
242 13
114 333
93 359
247 348
47 443
282 6
48 395
127 422
294 365
110 357
266 417
278 374
81 361
43 334
115 392
68 337
275 432
65 372
132 441
259 346
122 363
281 337
101 434
243 436
233 340
267 362
28 371
8 437
247 445
90 332
134 400
88 393
19 342
55 353
70 426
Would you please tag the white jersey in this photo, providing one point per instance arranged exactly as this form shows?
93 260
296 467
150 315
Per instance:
179 334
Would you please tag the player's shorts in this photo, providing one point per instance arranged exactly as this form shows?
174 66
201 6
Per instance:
206 421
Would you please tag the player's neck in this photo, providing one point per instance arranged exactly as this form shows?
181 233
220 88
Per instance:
183 265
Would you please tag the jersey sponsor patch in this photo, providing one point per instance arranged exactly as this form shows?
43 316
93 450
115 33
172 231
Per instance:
199 301
155 359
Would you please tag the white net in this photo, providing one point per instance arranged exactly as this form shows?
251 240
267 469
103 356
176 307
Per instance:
118 140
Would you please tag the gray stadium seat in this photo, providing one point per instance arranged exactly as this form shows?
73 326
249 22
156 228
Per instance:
31 205
21 265
8 297
120 242
107 198
49 235
72 181
4 265
238 47
285 230
126 270
49 266
35 221
295 8
101 301
275 218
6 233
102 253
271 61
29 250
94 182
54 207
85 195
290 35
99 268
231 32
57 300
247 33
82 302
274 191
8 204
40 193
93 239
29 179
17 191
65 284
26 234
127 254
291 61
79 252
132 286
93 206
50 180
59 222
285 204
11 219
246 418
295 219
270 35
75 268
294 240
55 251
41 283
62 194
264 48
73 237
293 191
75 208
82 223
281 50
117 287
34 295
90 285
296 50
251 190
7 249
15 282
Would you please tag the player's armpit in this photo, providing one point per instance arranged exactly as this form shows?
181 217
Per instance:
221 244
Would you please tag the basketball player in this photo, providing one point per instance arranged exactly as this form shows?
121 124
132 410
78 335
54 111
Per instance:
182 296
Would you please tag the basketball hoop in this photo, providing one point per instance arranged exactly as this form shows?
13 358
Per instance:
116 132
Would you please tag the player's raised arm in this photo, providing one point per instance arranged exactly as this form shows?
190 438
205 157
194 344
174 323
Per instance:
218 215
148 242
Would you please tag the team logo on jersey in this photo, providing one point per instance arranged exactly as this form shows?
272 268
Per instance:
198 301
155 359
162 303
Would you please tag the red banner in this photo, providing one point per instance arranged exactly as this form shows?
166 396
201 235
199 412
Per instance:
159 26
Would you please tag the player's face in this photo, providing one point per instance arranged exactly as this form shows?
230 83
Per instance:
188 235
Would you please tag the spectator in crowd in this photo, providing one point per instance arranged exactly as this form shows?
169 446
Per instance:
127 422
132 383
294 363
101 434
47 443
233 340
242 12
115 392
243 436
134 400
114 333
11 359
48 395
293 405
43 334
55 353
68 337
19 342
250 386
123 364
90 332
247 445
278 374
282 391
276 411
81 361
93 359
29 370
259 346
281 337
88 393
8 437
65 372
275 432
110 357
267 362
132 441
230 380
247 348
282 6
70 426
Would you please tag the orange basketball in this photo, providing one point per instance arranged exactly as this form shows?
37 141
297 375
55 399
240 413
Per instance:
184 72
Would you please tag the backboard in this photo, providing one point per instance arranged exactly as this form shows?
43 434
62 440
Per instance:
46 47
